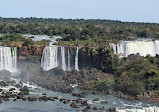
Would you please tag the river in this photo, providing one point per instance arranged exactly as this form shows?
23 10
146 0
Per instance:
58 106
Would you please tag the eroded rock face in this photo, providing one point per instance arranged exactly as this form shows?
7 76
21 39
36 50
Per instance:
88 57
25 52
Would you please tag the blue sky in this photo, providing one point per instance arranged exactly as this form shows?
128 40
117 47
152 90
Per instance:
124 10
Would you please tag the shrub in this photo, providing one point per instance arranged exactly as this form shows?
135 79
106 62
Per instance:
57 71
105 84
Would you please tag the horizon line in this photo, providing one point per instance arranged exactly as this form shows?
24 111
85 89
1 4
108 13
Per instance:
103 19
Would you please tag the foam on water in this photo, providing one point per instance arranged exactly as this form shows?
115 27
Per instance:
143 109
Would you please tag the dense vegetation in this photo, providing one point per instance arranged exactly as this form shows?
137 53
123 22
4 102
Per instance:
133 75
19 40
90 31
138 75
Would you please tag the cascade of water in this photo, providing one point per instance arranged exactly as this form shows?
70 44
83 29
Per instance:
69 61
144 109
144 48
141 47
49 58
157 46
113 47
52 59
14 55
63 58
76 60
8 59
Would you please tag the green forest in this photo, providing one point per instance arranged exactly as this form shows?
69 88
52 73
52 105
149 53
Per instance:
75 30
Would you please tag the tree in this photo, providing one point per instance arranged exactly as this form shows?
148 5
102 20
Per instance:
138 76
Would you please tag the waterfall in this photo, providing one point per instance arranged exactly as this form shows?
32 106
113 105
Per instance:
76 60
157 46
8 59
14 60
143 109
144 48
58 56
49 58
69 60
63 58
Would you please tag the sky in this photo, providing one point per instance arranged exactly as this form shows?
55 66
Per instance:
124 10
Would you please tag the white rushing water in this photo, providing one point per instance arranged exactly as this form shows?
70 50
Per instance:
69 61
56 56
49 58
44 37
8 59
76 60
144 48
143 109
63 58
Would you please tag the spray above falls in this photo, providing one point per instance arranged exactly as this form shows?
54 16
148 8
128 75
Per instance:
8 58
59 56
144 48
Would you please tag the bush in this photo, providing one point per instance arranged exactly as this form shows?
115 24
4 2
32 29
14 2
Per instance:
135 77
13 37
57 71
51 37
29 42
105 84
